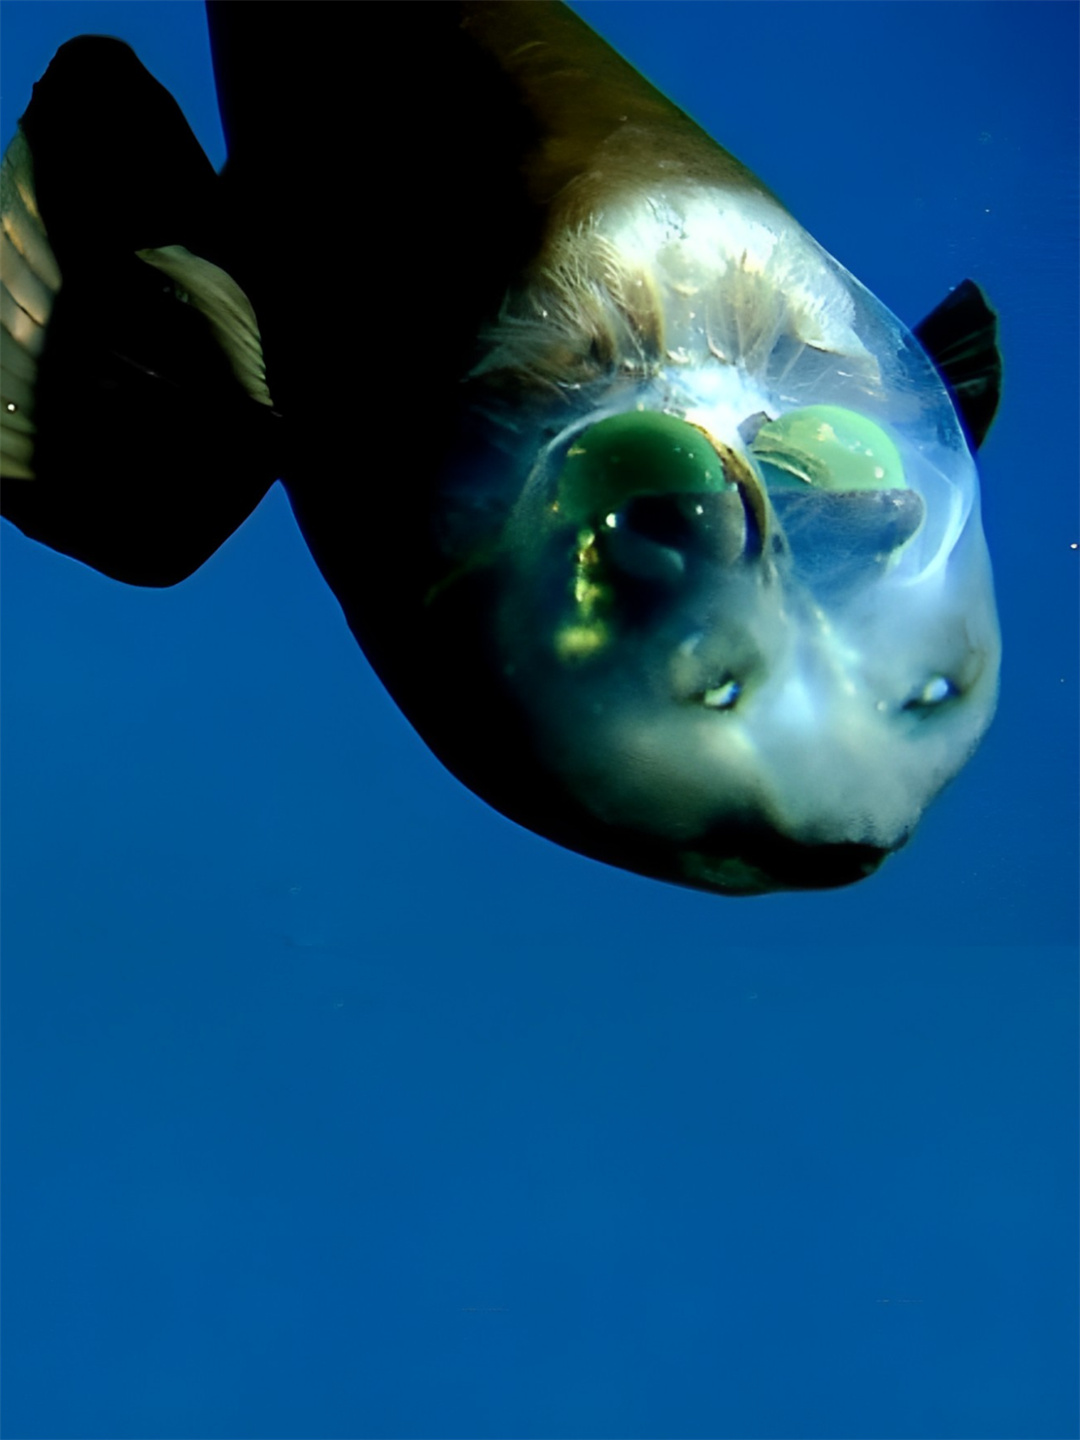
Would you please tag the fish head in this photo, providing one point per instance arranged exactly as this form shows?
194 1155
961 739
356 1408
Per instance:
741 604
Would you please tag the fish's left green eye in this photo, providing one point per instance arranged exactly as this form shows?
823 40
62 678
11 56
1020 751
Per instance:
827 448
643 452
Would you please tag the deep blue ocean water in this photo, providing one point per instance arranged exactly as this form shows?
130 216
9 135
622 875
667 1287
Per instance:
335 1105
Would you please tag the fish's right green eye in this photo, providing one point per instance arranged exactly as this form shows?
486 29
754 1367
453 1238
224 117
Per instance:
827 448
643 452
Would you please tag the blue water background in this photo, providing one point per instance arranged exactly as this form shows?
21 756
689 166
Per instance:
336 1105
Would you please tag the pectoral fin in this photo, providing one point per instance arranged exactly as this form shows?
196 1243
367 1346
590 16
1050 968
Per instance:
961 337
136 426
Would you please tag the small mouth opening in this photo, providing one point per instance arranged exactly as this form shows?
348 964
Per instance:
759 864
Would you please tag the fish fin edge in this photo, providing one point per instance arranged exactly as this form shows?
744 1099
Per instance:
137 430
961 337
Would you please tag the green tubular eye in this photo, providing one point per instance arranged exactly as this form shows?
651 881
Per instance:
829 448
642 452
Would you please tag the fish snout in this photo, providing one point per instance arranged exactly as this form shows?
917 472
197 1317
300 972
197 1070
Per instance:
763 860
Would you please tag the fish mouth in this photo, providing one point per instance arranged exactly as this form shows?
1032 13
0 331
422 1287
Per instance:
759 864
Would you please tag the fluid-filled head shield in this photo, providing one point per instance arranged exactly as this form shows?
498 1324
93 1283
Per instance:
740 603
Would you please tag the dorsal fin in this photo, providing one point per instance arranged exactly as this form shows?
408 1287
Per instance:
961 337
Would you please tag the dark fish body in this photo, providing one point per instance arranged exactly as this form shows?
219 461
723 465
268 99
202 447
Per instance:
662 531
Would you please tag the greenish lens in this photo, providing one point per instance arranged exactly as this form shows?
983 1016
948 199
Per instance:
643 452
829 448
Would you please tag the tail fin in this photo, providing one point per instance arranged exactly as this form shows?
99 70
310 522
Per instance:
136 427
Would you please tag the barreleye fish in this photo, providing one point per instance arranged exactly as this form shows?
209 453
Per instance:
659 527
